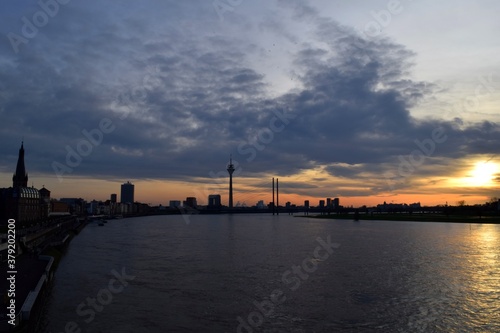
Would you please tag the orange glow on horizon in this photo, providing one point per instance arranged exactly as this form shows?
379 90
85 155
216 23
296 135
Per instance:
157 192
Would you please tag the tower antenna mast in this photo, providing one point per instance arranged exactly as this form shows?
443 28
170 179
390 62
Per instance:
230 170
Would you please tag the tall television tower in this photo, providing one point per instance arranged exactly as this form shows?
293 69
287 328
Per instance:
230 169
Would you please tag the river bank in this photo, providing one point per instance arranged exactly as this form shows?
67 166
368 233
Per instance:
38 257
415 217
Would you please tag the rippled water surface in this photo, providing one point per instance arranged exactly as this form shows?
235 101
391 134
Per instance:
262 273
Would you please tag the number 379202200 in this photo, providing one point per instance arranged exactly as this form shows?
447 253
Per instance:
11 242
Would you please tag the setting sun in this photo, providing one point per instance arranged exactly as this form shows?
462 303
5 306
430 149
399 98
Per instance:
482 174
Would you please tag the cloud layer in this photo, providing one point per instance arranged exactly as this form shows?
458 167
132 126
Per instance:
182 91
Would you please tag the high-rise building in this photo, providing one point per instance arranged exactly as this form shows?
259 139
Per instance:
190 202
336 203
127 193
113 198
230 169
214 201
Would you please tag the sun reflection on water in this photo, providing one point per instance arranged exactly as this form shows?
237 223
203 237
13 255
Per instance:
483 297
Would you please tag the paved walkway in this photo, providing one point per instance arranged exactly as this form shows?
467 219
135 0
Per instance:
29 270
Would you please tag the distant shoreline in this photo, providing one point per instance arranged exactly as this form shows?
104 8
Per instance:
412 218
398 217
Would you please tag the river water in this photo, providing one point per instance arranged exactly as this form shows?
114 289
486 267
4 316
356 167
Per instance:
264 273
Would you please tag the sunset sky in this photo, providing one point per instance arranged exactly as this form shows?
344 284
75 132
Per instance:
368 101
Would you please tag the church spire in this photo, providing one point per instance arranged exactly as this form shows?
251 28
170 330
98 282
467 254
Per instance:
20 178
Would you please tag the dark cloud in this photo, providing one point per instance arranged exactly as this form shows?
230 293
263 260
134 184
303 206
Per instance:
180 102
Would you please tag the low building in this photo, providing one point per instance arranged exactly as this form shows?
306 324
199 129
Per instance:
22 204
76 205
261 205
175 204
59 207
